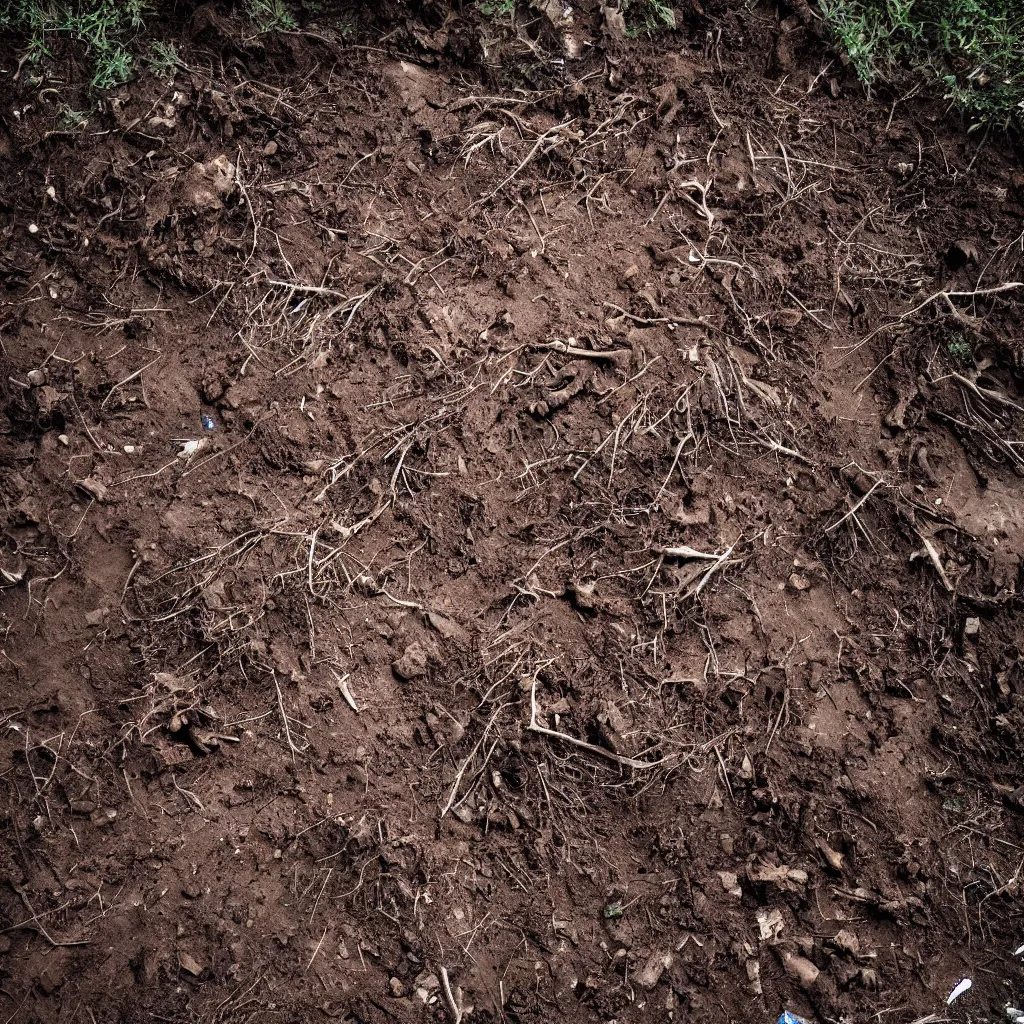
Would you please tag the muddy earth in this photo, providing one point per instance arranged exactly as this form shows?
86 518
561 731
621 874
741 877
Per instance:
508 518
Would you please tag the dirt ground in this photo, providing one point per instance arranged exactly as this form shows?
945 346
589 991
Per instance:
507 521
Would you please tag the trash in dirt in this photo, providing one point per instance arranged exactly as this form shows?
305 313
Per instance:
730 883
189 448
790 1018
1015 1015
1019 951
770 924
37 378
958 990
613 910
208 423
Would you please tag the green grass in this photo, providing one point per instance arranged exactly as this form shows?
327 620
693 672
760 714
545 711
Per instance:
112 33
103 26
271 15
645 17
974 49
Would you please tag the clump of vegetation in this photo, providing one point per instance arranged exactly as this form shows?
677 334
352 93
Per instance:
113 32
271 15
645 17
974 48
105 27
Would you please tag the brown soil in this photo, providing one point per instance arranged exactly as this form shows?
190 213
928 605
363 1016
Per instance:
485 334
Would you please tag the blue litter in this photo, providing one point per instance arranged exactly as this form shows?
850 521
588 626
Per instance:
208 423
791 1018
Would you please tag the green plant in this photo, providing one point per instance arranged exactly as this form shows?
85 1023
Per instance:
103 26
960 349
974 48
271 15
497 8
645 17
163 59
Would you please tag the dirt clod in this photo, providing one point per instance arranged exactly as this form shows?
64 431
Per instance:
413 662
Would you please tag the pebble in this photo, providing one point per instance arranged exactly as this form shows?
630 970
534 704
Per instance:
412 664
654 967
270 148
396 988
799 583
190 965
37 378
972 627
801 970
94 488
33 229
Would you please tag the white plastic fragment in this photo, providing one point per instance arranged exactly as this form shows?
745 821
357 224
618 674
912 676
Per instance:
1018 951
188 449
1016 1016
958 990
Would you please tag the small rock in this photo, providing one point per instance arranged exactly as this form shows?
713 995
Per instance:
103 816
49 981
869 978
190 965
897 415
412 664
746 771
832 858
448 628
847 941
33 229
94 488
37 378
798 582
972 626
82 807
396 988
801 970
270 148
728 844
754 976
95 617
654 967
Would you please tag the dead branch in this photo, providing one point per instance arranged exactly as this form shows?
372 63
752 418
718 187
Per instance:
629 762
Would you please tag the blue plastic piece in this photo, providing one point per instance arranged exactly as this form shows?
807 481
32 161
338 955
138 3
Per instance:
208 423
791 1018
